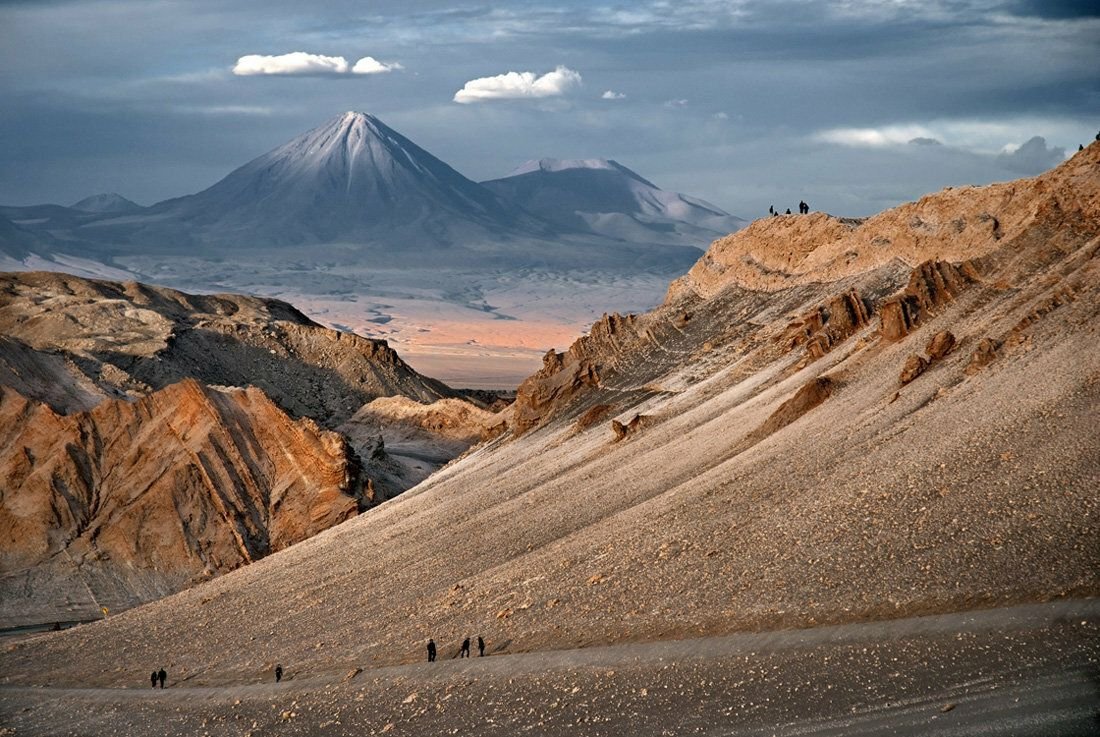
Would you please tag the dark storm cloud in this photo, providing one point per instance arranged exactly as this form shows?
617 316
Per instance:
138 97
1058 8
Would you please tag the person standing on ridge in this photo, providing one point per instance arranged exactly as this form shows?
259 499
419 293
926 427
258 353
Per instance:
771 209
278 673
480 647
153 679
431 651
162 677
465 651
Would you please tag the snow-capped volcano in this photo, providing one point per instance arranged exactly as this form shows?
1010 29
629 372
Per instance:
353 179
604 197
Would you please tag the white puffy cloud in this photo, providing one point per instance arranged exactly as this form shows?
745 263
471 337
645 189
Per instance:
612 95
296 62
518 85
370 65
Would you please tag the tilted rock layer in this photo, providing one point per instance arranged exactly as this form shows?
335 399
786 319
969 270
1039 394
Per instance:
182 484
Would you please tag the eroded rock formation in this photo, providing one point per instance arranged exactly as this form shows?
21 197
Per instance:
128 339
184 483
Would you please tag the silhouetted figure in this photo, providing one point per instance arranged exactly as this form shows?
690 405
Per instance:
431 651
162 677
788 211
278 673
153 679
1080 147
1098 137
771 209
465 651
480 647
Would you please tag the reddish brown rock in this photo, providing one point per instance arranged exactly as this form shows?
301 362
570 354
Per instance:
984 354
184 483
941 344
809 396
621 430
931 285
828 324
914 366
564 375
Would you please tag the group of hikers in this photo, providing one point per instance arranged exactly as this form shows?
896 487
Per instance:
803 209
464 651
160 676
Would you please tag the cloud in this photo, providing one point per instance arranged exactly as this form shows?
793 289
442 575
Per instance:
721 116
925 141
676 103
296 62
370 65
1032 157
891 135
612 95
519 85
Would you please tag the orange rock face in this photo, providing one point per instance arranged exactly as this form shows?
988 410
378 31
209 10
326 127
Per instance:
184 483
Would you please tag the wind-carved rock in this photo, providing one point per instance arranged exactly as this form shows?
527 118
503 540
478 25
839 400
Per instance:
182 484
829 324
941 344
622 430
931 285
914 366
564 375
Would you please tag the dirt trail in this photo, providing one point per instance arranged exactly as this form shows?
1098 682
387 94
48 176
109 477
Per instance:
1032 670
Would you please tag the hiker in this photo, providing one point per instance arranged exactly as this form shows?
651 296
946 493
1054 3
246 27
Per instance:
771 209
465 651
431 651
480 647
153 679
788 211
278 673
162 677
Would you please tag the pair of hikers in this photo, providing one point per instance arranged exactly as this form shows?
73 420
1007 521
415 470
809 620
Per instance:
158 676
464 651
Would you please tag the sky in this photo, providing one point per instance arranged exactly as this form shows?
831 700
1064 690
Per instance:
852 105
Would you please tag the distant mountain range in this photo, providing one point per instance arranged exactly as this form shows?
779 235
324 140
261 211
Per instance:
354 181
605 198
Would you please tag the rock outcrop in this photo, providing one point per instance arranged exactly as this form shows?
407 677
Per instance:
941 344
128 339
139 497
931 285
563 375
